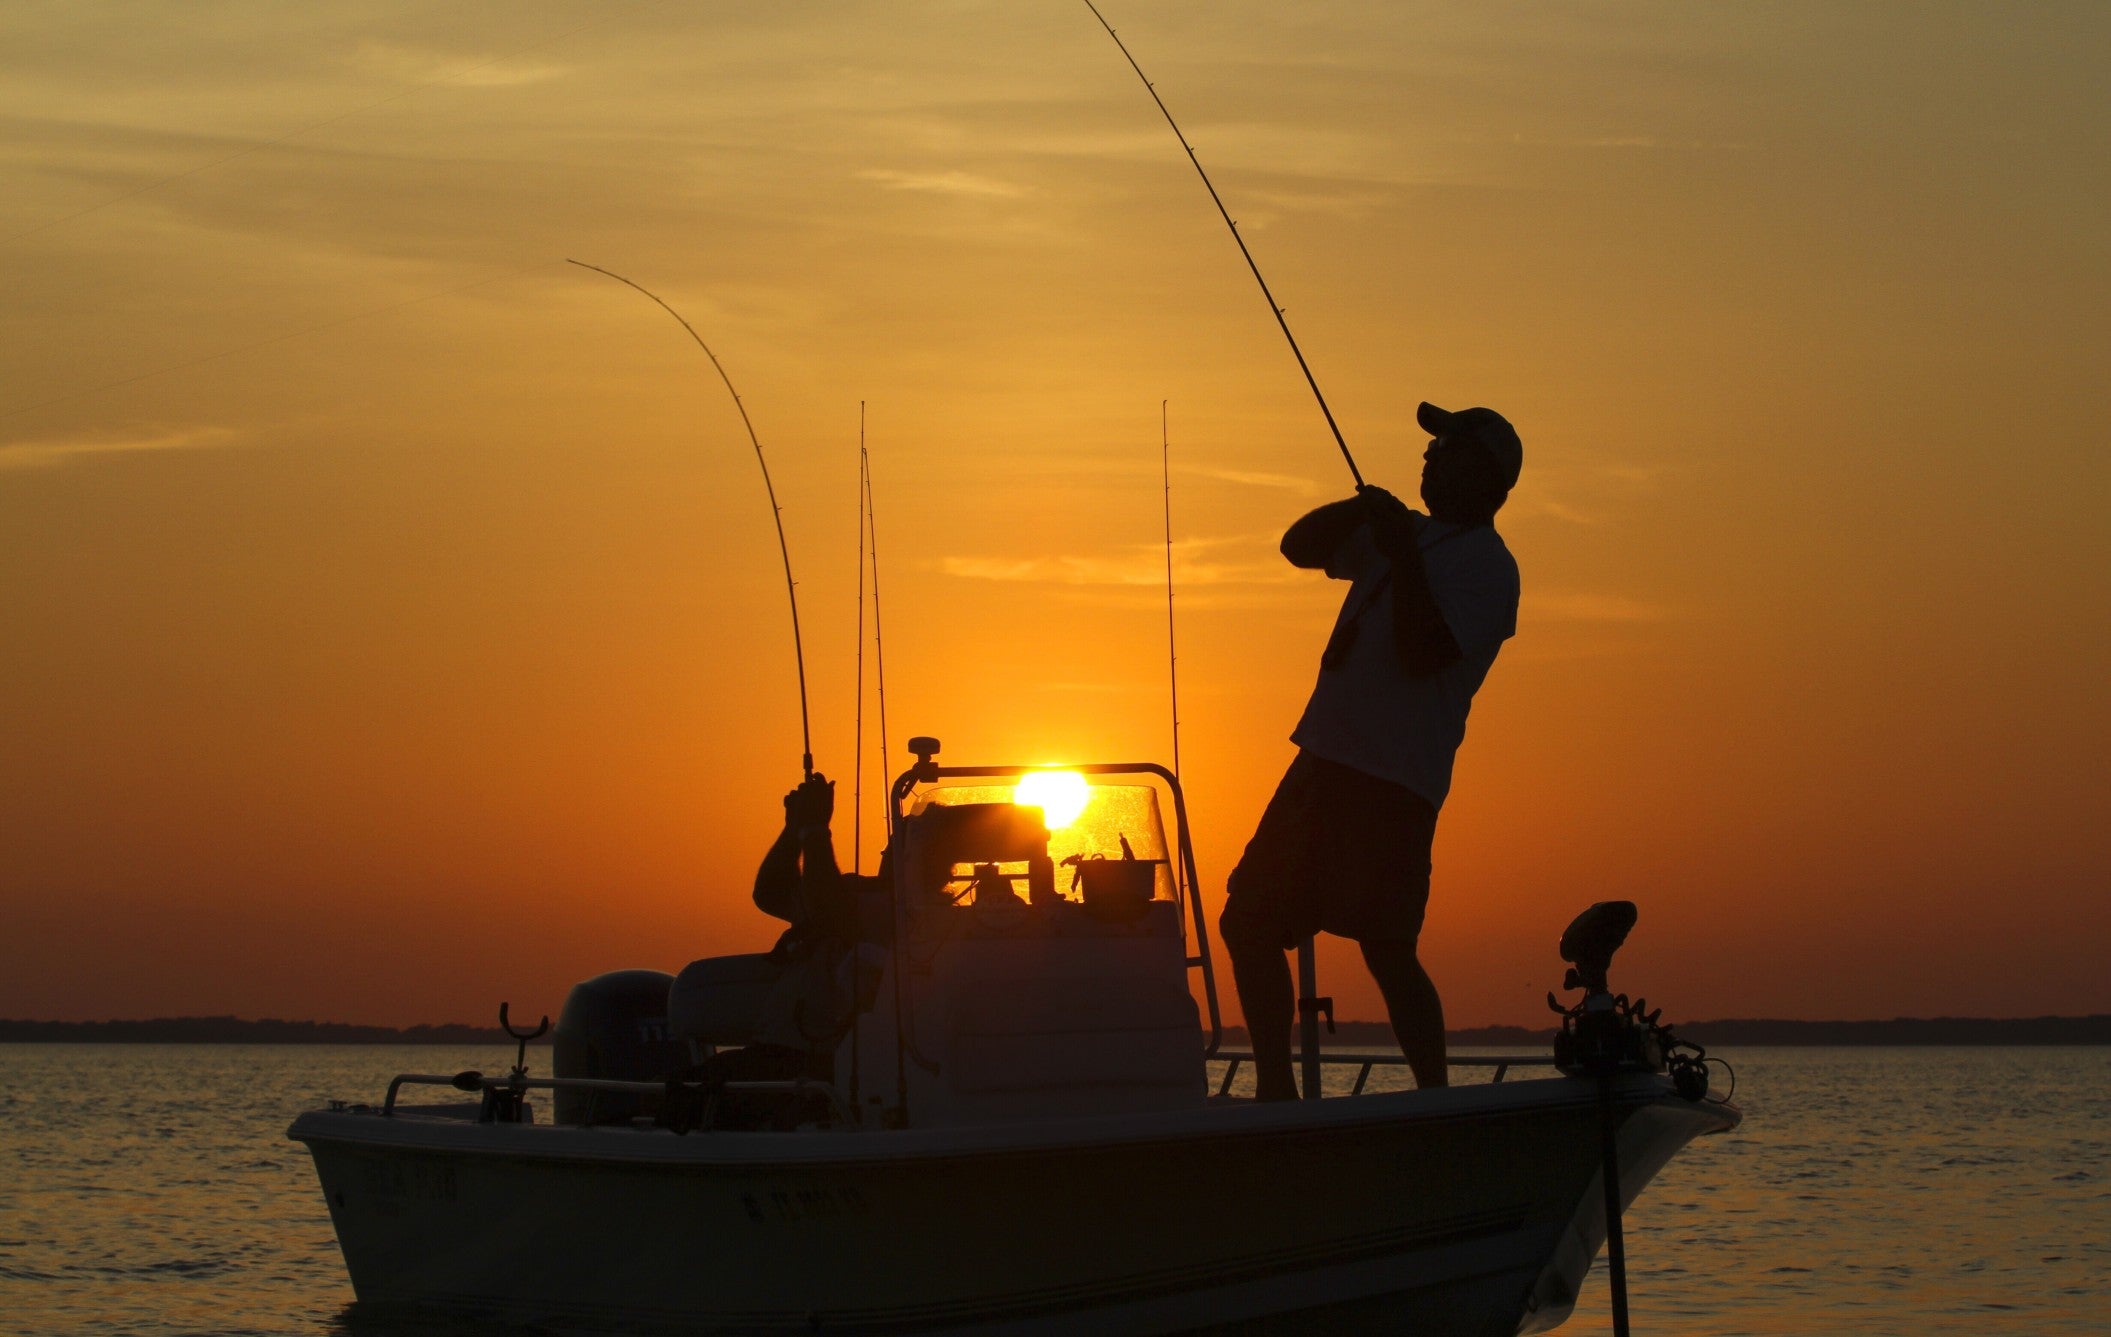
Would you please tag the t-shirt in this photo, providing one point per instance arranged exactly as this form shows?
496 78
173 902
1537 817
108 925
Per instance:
1369 714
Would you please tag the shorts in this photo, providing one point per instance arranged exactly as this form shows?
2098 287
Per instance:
1337 852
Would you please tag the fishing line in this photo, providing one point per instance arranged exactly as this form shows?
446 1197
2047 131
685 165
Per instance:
791 587
1273 306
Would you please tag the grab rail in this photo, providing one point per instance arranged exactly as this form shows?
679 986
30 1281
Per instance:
473 1083
1502 1063
477 1083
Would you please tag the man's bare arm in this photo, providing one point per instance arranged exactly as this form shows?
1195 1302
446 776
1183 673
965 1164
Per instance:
777 880
819 876
1312 542
799 874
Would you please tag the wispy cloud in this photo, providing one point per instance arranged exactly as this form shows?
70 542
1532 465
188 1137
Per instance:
1142 566
1582 495
48 454
1303 487
1271 203
965 184
426 68
1216 599
1583 606
1552 507
1637 474
1629 142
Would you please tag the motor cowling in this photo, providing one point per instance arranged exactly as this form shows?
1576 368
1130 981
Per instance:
614 1028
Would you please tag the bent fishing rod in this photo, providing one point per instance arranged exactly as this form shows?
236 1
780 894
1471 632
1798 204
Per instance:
1229 222
791 587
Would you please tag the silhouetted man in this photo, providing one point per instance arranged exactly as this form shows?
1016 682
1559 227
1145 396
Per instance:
822 966
1344 845
830 913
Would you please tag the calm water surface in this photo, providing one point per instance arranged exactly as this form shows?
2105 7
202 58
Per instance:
150 1190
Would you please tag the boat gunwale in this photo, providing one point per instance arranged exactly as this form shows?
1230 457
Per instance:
1273 1122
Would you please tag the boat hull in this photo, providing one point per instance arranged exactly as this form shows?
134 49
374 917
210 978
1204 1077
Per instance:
1471 1211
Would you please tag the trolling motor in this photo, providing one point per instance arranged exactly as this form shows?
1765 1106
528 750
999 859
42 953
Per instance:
1605 1035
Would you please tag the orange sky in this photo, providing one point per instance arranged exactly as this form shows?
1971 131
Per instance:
393 622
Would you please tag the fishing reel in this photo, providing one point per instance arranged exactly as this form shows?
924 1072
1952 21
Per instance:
1606 1033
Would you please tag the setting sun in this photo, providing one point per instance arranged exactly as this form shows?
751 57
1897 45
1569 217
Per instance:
1060 795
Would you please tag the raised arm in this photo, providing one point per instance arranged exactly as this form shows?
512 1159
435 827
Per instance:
1312 542
777 880
798 876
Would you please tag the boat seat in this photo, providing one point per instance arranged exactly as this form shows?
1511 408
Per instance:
719 1000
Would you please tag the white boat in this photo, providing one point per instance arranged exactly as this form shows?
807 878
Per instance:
1020 1136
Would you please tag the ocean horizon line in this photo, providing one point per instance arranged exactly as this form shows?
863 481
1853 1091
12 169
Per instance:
2090 1029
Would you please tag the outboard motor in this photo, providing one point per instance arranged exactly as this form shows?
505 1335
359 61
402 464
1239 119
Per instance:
614 1027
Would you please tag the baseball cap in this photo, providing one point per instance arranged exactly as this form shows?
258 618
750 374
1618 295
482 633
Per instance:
1487 427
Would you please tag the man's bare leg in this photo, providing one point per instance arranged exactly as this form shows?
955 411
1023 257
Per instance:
1268 999
1411 1002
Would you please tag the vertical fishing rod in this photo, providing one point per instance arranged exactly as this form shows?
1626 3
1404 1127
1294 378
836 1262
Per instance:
857 765
879 654
857 790
791 587
1172 657
1273 306
879 640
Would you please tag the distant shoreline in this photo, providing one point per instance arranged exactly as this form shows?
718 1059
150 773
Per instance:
2089 1030
237 1031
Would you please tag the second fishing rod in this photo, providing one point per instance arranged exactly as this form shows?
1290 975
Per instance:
791 587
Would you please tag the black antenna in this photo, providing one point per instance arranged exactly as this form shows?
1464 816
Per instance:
791 588
857 765
1349 459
